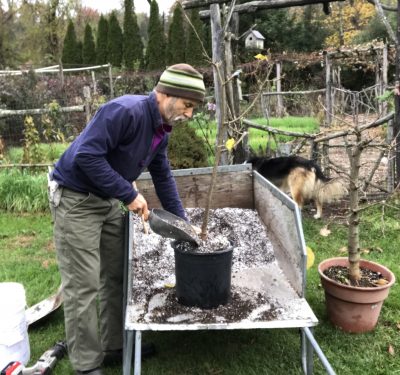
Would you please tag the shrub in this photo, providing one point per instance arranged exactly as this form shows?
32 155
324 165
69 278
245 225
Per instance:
186 149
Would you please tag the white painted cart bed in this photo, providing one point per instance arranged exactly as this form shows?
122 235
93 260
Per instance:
280 284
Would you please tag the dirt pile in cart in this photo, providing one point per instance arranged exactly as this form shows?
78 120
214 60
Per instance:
153 267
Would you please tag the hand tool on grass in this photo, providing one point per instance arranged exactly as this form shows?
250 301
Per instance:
43 366
44 308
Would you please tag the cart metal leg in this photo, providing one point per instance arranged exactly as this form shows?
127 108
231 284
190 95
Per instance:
308 345
128 335
128 350
138 352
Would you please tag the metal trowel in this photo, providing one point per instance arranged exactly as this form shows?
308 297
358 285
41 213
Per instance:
169 225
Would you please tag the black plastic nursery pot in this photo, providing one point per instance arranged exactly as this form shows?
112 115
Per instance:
203 279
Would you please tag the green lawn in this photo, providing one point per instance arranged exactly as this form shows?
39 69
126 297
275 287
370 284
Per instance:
27 256
258 138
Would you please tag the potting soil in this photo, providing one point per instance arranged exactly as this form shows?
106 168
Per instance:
260 291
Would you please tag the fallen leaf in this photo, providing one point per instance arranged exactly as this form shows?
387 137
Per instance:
45 264
391 350
343 249
398 325
381 282
365 251
169 285
310 257
325 232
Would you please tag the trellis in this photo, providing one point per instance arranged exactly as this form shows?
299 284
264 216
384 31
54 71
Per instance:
60 70
336 96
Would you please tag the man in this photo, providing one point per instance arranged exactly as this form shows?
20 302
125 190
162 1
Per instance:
126 136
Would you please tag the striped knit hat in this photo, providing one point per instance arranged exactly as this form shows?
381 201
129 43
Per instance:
182 81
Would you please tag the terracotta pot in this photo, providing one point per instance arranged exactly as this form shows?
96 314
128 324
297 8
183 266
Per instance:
354 309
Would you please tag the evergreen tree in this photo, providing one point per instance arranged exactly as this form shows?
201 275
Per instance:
276 25
114 41
102 41
79 49
89 49
194 48
71 53
308 31
155 53
176 38
133 46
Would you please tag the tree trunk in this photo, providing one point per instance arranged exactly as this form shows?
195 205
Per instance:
220 99
354 220
396 124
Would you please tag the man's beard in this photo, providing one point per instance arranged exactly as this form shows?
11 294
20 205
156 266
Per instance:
177 120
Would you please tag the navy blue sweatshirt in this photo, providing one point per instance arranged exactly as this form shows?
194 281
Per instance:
115 148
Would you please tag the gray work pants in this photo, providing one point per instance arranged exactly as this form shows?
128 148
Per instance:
89 239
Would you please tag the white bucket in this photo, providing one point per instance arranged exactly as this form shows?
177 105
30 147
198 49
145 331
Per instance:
14 341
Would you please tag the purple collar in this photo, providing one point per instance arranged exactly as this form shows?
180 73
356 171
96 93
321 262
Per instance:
163 129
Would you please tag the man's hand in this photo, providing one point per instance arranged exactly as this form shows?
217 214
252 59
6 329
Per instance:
139 205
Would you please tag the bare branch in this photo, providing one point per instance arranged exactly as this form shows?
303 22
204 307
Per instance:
382 17
254 6
361 128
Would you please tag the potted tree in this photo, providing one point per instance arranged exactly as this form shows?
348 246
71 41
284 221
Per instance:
354 288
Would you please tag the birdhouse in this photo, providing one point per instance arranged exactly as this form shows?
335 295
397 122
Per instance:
254 40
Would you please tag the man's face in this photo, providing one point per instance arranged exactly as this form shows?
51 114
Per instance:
177 110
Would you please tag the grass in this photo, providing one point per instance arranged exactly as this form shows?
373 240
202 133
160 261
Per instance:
23 190
258 138
50 153
27 256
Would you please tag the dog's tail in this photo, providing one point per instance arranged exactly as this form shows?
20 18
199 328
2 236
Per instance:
330 190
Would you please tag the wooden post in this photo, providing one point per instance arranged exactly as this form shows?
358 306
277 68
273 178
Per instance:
378 83
280 110
330 77
264 106
87 96
390 157
241 152
94 83
384 77
111 81
228 73
219 76
61 72
328 94
237 95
